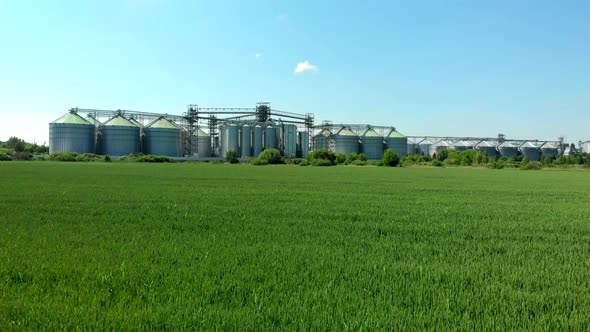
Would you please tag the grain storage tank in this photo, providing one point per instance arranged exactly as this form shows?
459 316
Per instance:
550 150
92 120
437 147
412 147
257 140
302 144
462 146
321 140
531 151
229 139
397 142
135 122
270 137
162 138
120 137
346 141
290 140
71 133
424 147
508 149
488 147
372 144
201 144
246 141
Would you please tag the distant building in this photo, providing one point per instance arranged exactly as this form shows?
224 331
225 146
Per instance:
585 146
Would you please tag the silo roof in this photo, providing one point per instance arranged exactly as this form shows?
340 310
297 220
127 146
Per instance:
72 118
441 143
200 133
162 123
509 145
119 121
529 145
93 121
463 143
395 134
371 133
324 132
487 144
135 122
346 132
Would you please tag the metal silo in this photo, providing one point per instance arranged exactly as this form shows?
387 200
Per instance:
550 150
411 149
92 120
135 122
488 147
257 140
398 143
290 140
120 137
71 133
229 139
372 144
508 149
437 147
424 147
245 141
321 140
462 146
531 151
201 144
346 141
270 137
302 144
162 138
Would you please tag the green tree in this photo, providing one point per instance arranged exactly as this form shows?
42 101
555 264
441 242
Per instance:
389 158
231 156
15 143
340 158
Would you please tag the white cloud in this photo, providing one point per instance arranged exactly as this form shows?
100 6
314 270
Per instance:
305 66
259 56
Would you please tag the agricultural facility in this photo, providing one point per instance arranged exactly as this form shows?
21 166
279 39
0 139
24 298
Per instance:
208 133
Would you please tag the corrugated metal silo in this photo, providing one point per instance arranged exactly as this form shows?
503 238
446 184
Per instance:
229 139
245 141
321 140
302 144
92 120
71 133
346 141
257 140
398 143
120 137
135 122
489 148
437 147
424 147
372 144
508 149
162 138
550 150
412 147
531 151
290 140
202 146
270 137
462 146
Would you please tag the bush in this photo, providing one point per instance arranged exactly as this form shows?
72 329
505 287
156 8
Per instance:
389 159
323 155
258 162
107 158
321 162
532 166
359 162
22 156
437 163
88 157
499 164
351 157
154 159
340 158
304 162
362 156
271 156
5 156
231 156
63 156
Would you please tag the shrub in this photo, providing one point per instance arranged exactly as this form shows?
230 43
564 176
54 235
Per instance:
362 156
63 156
437 163
258 162
107 158
498 164
532 166
271 156
304 162
351 157
389 158
231 156
5 156
88 157
359 162
296 161
322 154
22 156
154 159
321 162
341 158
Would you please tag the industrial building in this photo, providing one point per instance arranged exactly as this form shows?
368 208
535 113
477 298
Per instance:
207 133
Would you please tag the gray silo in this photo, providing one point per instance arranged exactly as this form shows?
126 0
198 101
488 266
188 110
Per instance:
398 143
346 141
372 144
201 144
462 146
531 151
321 141
229 139
71 133
290 140
246 141
120 137
437 147
550 150
508 149
270 137
424 147
257 140
488 147
92 120
162 138
135 122
411 149
302 144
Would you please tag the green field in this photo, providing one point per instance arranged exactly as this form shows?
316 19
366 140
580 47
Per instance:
118 246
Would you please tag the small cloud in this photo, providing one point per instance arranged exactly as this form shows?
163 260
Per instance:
305 66
259 56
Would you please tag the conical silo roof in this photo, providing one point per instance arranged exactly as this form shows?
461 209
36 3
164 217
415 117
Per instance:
324 132
162 123
371 133
92 120
135 122
72 118
119 121
344 131
395 134
200 133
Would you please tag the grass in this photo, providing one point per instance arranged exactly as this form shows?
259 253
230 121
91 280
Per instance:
119 246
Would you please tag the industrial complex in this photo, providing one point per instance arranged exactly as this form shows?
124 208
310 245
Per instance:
208 133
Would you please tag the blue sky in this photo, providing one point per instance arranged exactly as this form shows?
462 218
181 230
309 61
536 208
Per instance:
472 68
